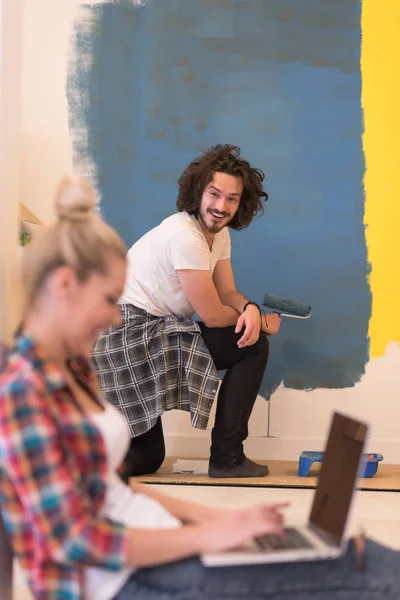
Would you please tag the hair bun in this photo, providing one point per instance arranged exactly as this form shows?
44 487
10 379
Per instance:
75 199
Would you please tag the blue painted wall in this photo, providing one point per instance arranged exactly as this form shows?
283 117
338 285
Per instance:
153 85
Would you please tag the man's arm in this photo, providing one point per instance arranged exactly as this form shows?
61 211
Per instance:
225 286
203 296
249 320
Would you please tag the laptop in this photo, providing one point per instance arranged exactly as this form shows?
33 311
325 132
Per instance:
324 535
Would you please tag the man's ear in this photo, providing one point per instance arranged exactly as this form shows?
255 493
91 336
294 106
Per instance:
63 282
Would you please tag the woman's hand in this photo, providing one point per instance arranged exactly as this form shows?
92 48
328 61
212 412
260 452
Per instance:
234 528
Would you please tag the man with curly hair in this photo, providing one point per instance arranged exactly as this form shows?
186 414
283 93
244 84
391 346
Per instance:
160 358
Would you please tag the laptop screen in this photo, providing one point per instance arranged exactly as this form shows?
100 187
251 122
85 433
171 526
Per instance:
338 474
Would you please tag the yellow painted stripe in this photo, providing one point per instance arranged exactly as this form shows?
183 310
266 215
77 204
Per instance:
380 59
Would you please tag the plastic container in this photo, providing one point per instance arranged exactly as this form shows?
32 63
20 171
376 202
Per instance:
307 458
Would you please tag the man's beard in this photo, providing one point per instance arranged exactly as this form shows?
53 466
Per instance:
217 226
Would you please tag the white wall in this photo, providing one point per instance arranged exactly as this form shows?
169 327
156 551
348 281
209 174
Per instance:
10 94
298 419
46 147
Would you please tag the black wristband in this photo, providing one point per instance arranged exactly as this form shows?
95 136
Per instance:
254 304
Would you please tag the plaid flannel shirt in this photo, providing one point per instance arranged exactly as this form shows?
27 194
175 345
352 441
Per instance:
148 365
53 470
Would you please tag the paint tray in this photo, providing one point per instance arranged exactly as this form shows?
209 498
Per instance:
307 458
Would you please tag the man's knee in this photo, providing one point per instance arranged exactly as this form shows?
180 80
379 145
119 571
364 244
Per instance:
263 344
154 461
144 460
260 349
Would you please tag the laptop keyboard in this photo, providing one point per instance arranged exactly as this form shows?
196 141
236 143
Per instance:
292 540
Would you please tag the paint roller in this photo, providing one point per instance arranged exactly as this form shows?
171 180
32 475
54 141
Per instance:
286 307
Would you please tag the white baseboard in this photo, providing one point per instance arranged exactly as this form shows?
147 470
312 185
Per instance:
270 448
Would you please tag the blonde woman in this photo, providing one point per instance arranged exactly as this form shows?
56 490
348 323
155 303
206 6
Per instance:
76 528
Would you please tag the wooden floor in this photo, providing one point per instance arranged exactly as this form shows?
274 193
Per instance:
283 474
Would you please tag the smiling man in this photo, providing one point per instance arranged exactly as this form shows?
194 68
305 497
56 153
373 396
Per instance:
160 358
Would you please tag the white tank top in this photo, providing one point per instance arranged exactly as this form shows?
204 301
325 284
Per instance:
121 505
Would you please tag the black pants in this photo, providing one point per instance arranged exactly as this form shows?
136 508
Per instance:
245 369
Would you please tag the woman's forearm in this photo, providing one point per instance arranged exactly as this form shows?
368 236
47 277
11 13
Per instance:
147 547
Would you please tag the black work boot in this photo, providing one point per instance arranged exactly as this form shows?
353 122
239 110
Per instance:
247 468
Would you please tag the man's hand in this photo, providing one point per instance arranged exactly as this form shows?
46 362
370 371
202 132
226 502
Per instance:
271 323
250 320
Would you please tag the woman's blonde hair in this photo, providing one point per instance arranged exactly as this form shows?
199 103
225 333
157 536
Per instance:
79 239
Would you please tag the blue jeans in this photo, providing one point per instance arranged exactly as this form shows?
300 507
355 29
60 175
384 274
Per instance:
322 580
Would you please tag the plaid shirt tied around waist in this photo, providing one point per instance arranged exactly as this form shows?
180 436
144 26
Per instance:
148 365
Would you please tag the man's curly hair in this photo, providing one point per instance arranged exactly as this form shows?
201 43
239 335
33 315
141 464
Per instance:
222 158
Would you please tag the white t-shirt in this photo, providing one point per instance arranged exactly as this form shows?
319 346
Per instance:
121 505
177 243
